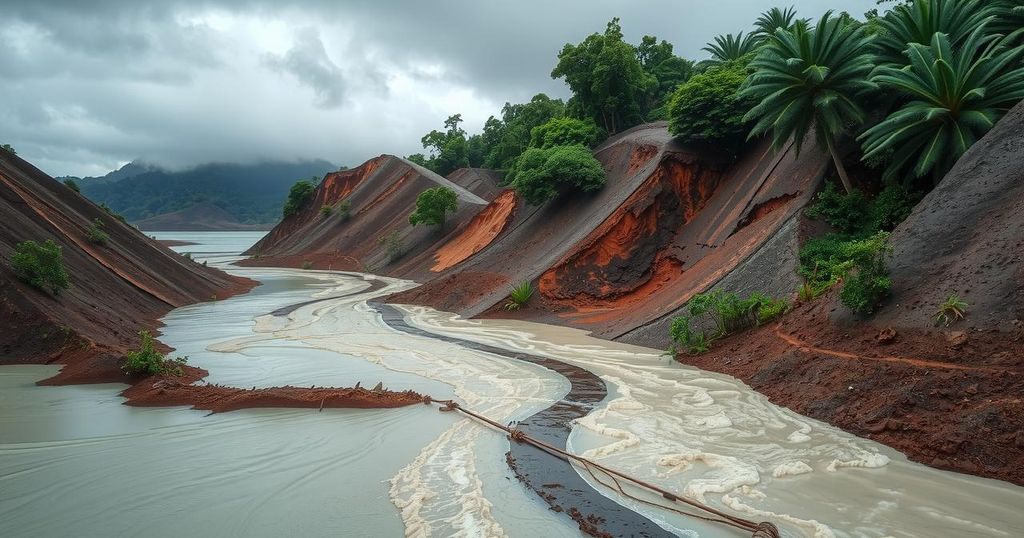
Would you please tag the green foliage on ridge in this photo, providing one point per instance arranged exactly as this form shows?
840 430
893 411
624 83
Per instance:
540 175
300 192
41 265
709 108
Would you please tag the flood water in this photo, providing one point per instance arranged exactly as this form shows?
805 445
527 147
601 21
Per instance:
74 461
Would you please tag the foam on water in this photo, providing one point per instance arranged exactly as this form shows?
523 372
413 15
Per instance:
712 438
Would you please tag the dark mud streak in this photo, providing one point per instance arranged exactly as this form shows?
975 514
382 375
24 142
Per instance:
554 479
285 310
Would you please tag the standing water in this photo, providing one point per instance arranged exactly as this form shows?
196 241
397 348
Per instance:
74 461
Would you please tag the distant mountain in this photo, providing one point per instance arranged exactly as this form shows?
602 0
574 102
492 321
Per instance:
208 197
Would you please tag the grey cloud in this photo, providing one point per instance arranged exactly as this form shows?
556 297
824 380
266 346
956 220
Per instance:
308 62
90 83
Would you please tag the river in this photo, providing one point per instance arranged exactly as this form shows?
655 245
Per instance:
74 461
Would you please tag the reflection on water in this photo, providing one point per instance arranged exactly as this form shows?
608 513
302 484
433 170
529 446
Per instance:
74 461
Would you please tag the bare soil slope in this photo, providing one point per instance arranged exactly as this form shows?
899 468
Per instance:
670 222
116 289
948 397
382 194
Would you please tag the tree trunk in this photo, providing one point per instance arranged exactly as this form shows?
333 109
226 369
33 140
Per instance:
840 169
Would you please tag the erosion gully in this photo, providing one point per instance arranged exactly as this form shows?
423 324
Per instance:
74 461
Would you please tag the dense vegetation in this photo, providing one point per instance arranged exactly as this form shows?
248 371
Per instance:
252 194
432 205
41 265
300 192
540 175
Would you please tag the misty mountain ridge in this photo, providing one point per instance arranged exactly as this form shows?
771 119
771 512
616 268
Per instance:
233 196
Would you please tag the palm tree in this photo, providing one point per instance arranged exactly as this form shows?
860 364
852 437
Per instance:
956 94
728 47
1009 19
917 22
806 78
774 19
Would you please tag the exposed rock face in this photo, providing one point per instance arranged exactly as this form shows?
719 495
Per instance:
966 238
116 288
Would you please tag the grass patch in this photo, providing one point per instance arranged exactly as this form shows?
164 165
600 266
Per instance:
951 311
713 315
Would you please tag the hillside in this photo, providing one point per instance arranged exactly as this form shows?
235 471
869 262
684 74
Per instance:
381 193
947 396
115 290
246 196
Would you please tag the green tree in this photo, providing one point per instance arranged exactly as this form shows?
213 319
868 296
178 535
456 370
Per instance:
8 148
916 22
449 151
41 265
432 205
729 48
300 192
606 78
506 138
955 96
72 184
808 78
775 19
564 132
542 174
709 107
667 71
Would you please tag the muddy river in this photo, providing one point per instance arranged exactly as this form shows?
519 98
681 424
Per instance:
74 461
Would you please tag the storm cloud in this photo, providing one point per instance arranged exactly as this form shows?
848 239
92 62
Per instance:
89 85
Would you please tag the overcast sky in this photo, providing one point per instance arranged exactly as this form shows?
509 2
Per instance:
87 85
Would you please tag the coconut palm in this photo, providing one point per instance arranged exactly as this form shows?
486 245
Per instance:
917 22
774 19
956 94
728 47
807 78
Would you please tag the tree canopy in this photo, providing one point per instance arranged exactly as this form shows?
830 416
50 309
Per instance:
432 205
301 191
708 107
540 175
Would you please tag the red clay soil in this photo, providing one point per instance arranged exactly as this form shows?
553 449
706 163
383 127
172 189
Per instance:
382 194
481 230
952 399
116 288
175 391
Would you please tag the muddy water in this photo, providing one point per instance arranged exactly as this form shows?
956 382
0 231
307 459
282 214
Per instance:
73 461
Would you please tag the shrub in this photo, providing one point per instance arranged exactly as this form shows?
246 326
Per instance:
344 208
72 184
8 148
564 132
301 191
519 296
187 255
41 265
432 205
95 233
542 174
708 108
307 265
148 361
848 213
854 215
393 245
867 281
712 315
110 211
951 311
325 211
